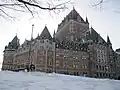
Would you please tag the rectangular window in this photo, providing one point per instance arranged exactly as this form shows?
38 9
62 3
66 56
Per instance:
57 63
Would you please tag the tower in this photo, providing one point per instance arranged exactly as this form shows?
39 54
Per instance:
9 54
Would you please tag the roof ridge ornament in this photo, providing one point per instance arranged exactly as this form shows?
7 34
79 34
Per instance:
73 7
32 32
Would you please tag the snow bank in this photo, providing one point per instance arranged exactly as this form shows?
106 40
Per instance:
42 81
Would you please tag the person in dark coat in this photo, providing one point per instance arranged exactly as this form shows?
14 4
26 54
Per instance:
32 67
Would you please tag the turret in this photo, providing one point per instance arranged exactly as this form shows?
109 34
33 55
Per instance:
87 20
9 53
54 34
108 41
14 44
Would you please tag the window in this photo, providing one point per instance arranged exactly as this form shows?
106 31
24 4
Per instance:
106 68
84 66
100 74
76 57
57 55
103 68
64 64
100 67
57 63
49 62
97 67
74 65
41 61
83 58
71 38
42 41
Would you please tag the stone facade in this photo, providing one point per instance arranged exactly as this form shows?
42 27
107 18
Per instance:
75 49
118 62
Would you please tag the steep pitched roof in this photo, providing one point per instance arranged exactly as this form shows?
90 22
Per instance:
45 34
14 44
93 35
74 15
14 39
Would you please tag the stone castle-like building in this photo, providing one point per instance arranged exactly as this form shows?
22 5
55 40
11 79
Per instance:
75 49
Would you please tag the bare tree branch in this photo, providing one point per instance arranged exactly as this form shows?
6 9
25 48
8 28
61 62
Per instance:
12 4
31 6
14 9
29 10
6 13
53 8
99 3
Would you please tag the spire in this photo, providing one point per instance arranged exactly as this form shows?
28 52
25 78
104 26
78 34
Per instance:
45 34
32 32
54 34
73 7
91 29
87 20
108 40
38 36
16 31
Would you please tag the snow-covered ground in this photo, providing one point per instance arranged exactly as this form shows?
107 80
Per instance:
42 81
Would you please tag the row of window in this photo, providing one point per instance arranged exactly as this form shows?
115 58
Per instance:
74 65
101 68
73 73
7 67
102 75
74 57
101 60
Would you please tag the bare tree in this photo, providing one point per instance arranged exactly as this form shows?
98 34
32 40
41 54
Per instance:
31 6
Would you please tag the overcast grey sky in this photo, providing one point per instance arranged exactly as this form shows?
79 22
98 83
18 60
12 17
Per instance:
105 21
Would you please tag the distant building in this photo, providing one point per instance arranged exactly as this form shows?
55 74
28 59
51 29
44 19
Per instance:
75 49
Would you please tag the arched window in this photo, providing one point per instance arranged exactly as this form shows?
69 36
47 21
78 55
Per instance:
97 67
100 67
